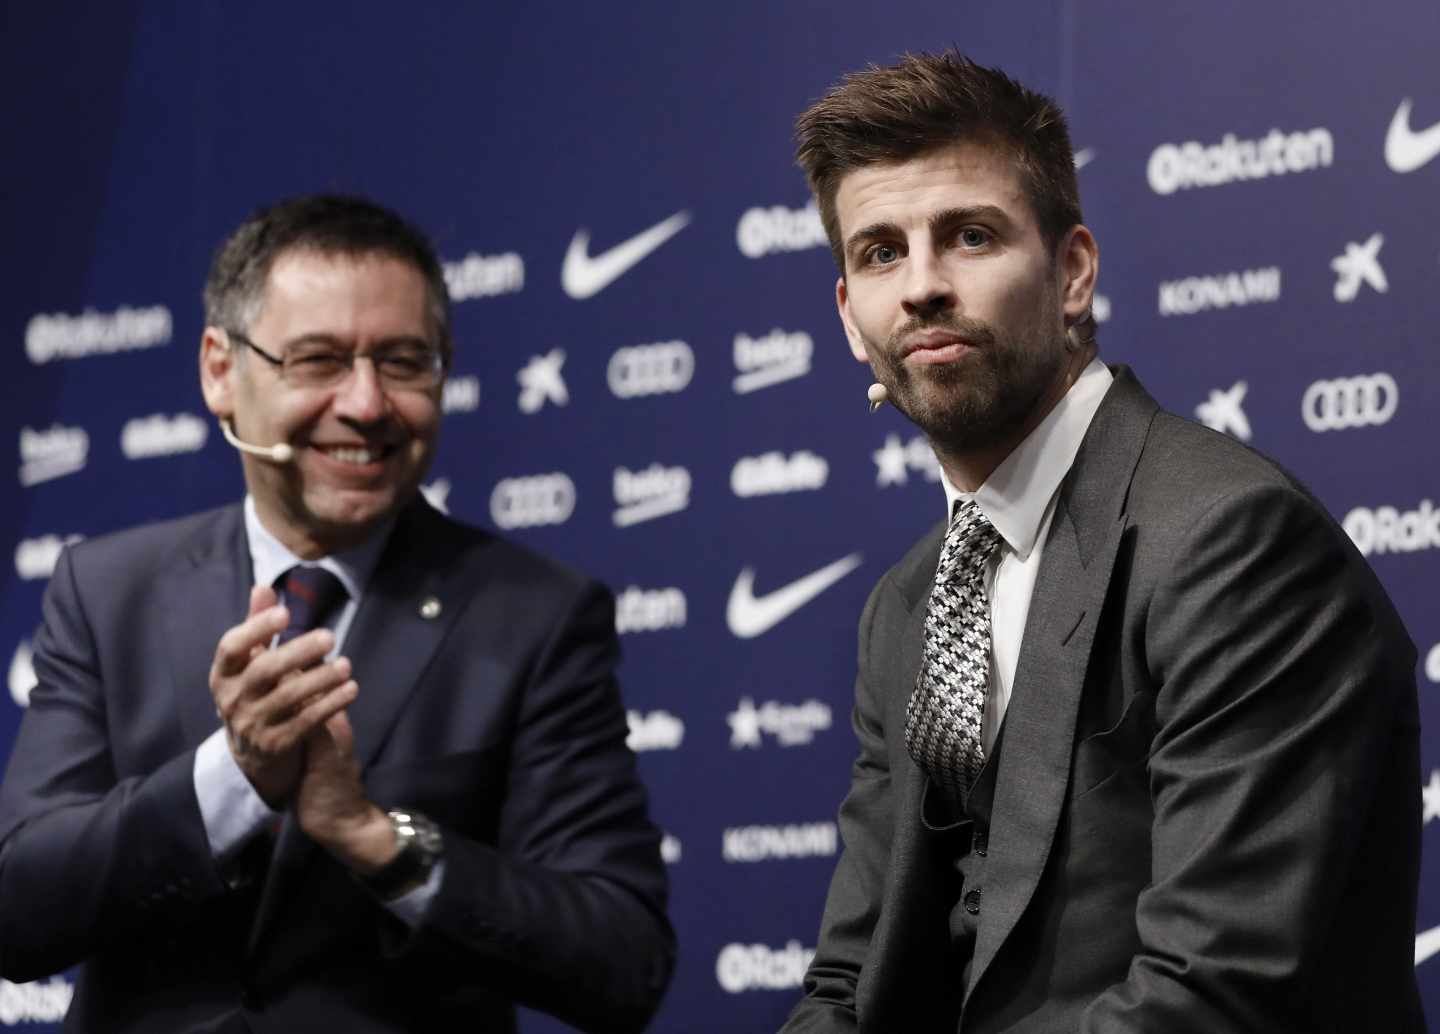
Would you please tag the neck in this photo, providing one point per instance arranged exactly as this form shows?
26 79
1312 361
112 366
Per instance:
969 467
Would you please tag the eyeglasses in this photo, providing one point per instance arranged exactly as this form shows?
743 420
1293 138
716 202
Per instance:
408 365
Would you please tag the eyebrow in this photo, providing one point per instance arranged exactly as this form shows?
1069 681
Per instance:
938 221
335 341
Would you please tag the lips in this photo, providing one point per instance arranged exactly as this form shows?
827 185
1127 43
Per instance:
933 341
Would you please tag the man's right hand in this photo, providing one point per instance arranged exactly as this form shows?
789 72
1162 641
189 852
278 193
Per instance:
270 700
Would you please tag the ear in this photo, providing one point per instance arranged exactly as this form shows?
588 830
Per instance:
852 334
1079 267
217 372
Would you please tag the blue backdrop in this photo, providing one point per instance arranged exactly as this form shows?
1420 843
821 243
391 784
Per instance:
1263 182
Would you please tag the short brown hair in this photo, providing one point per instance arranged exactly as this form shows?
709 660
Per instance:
891 115
329 224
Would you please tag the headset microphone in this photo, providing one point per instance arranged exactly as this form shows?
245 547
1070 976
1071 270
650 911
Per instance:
281 453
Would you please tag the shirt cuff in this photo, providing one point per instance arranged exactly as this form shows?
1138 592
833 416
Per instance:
411 906
231 809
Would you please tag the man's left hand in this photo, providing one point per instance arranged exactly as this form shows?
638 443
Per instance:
330 803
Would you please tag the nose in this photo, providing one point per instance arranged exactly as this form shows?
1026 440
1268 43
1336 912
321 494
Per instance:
927 291
360 398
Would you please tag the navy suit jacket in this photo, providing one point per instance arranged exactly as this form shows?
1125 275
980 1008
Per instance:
498 717
1206 810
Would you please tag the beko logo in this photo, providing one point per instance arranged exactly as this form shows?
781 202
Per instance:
756 967
1198 293
649 610
159 435
22 674
61 336
761 843
771 473
36 1002
525 502
658 730
462 395
47 455
790 725
1348 402
650 369
1388 530
765 231
1175 167
643 495
772 359
36 558
894 462
484 276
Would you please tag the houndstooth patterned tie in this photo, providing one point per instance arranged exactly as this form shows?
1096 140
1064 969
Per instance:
943 718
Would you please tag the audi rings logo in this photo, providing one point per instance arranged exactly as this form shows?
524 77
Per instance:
525 502
1347 402
650 369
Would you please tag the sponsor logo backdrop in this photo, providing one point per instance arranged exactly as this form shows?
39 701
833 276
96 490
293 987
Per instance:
651 382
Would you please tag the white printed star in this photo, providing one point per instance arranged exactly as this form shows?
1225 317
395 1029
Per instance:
744 725
1431 792
890 462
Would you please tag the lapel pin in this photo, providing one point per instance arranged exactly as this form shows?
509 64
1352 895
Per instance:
430 608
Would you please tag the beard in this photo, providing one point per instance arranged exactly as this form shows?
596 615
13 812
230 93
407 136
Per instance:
981 399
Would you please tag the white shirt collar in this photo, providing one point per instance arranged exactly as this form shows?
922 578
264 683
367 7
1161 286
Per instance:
1018 492
270 559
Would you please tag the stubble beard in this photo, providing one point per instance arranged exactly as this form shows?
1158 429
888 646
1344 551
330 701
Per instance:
979 400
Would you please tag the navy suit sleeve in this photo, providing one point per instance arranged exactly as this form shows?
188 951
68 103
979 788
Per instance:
566 911
1285 744
85 858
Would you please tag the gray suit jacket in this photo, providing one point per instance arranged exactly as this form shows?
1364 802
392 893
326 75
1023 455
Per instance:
1206 814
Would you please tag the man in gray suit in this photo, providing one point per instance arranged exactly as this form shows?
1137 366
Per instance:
1138 730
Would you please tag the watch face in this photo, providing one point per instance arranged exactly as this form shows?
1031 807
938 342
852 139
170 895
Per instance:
427 836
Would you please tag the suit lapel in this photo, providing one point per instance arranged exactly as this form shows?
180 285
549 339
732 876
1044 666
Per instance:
1070 590
416 593
209 588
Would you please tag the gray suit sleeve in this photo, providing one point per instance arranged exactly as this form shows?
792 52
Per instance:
853 905
1282 675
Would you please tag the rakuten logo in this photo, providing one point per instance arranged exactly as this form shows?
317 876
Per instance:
1175 167
1387 530
765 231
657 369
47 455
643 495
756 967
658 730
525 502
22 674
790 725
773 474
36 558
1199 293
36 1002
483 276
462 395
761 843
61 336
1348 402
649 610
772 359
161 435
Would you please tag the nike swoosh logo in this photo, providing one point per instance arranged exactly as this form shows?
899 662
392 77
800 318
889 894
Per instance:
1406 150
584 275
1084 157
749 615
1427 944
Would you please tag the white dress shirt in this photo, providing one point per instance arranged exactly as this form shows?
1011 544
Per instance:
231 809
1019 499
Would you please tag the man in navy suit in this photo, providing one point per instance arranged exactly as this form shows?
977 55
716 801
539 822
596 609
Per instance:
326 756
